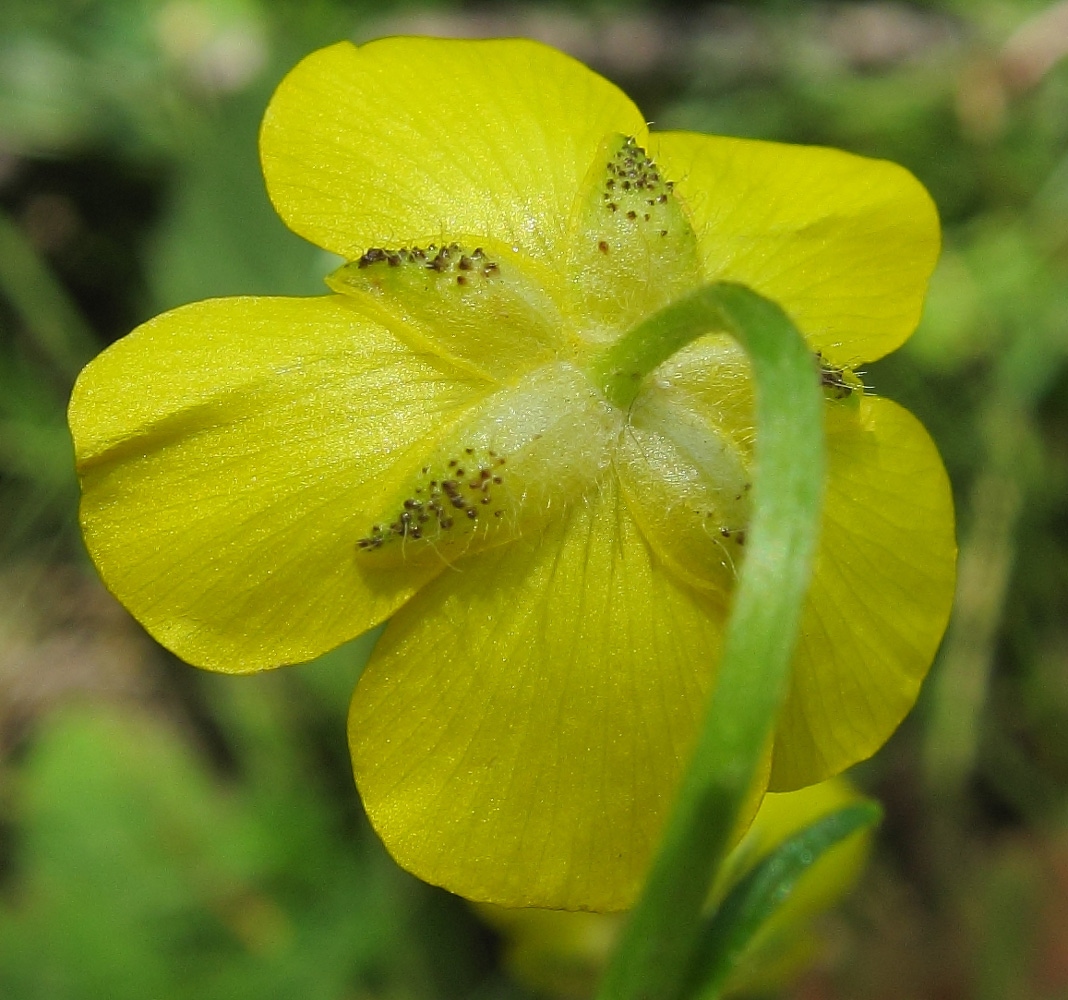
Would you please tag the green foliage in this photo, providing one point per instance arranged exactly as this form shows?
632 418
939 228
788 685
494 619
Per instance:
143 870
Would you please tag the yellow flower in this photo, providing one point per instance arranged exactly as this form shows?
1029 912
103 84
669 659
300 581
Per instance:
267 478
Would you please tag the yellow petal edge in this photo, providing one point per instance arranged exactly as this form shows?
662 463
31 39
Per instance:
880 595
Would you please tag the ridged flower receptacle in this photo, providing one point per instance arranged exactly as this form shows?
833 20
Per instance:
264 479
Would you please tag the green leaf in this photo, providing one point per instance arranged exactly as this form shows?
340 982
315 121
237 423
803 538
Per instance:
727 933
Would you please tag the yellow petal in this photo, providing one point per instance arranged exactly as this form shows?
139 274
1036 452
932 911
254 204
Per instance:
518 734
228 451
408 139
880 595
843 243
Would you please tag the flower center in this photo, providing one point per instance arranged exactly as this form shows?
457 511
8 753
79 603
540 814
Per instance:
546 432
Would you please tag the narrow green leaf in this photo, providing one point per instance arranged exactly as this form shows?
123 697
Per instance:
727 933
43 305
659 939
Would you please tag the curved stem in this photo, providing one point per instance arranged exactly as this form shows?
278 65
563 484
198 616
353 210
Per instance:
662 931
619 371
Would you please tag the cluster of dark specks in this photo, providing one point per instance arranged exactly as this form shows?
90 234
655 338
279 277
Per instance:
833 380
634 185
450 258
737 535
439 505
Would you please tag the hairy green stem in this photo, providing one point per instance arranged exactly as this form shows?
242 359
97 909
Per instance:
658 940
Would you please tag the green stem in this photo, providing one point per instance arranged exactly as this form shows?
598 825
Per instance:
620 370
657 943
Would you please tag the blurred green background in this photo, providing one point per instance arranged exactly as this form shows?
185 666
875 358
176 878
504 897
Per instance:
165 833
